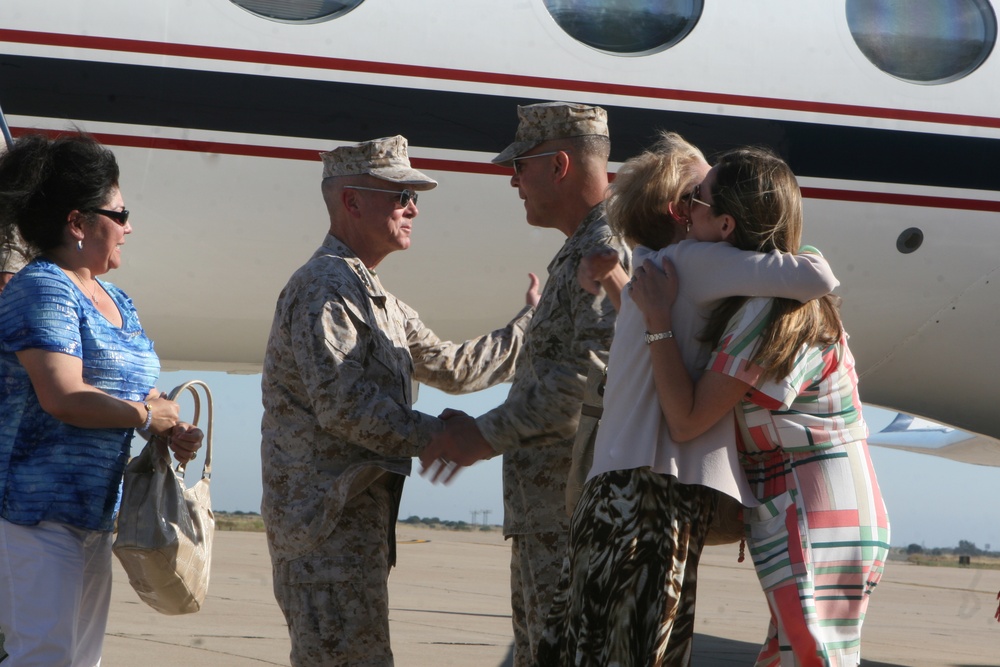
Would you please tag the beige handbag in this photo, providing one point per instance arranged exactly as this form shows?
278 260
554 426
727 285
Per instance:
165 531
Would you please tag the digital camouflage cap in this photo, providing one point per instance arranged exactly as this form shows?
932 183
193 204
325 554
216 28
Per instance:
383 158
552 120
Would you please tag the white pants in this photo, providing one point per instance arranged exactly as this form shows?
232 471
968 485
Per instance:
55 591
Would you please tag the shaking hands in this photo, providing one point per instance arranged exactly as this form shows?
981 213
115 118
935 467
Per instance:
459 445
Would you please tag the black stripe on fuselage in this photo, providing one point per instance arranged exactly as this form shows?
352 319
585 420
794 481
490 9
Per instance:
230 102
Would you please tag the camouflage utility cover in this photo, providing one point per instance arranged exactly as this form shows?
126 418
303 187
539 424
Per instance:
552 120
384 158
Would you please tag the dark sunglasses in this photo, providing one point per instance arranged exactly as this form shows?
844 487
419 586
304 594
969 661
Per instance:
121 217
405 196
693 197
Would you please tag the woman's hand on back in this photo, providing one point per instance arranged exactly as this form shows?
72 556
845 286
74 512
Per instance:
654 291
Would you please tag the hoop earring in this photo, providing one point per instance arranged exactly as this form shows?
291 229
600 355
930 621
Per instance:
79 245
689 227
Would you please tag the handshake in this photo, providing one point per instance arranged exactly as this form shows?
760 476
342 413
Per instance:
459 445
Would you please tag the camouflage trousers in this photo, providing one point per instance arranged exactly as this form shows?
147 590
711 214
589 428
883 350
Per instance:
536 563
336 598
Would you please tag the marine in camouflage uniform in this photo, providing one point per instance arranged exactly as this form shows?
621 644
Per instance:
563 178
338 429
13 257
534 428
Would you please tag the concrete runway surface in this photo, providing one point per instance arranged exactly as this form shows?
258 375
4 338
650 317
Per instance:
449 605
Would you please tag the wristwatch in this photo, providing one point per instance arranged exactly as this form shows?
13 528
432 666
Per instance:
650 338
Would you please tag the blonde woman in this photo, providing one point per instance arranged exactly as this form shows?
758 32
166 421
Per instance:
627 593
820 535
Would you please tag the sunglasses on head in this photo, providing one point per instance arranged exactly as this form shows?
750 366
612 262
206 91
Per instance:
405 196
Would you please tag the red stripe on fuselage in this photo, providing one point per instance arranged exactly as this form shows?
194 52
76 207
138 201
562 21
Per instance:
466 167
901 199
492 78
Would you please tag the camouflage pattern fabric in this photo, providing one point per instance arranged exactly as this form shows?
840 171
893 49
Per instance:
546 121
536 563
13 255
337 391
570 333
336 598
586 436
383 158
337 394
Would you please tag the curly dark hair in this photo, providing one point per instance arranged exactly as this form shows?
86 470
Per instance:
42 180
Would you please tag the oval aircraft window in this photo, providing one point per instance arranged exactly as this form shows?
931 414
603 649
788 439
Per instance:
923 41
626 27
298 11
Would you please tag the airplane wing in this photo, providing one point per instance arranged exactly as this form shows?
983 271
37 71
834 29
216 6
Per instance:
913 434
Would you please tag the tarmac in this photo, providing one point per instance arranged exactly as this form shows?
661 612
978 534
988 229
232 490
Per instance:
449 605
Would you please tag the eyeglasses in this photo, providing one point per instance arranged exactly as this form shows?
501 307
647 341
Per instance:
517 167
693 196
405 196
121 217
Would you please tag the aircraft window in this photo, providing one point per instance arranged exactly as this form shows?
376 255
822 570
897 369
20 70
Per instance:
626 27
298 11
928 42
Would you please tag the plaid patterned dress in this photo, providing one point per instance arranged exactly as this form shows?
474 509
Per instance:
820 538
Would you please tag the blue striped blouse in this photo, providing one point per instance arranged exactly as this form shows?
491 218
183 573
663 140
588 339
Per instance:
49 470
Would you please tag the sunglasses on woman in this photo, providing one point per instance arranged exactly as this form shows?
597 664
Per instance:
121 217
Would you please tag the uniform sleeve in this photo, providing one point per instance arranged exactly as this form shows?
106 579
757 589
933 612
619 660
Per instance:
543 406
712 271
13 256
353 376
40 312
465 367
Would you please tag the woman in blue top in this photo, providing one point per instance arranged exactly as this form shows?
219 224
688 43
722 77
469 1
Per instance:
76 381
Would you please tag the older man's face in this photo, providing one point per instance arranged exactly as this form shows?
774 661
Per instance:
388 224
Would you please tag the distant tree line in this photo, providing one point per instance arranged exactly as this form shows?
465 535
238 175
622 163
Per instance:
964 548
451 525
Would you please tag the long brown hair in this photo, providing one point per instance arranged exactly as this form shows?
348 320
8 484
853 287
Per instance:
759 190
646 185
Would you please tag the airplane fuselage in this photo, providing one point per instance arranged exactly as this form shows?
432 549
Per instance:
217 114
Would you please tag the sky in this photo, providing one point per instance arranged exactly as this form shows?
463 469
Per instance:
931 501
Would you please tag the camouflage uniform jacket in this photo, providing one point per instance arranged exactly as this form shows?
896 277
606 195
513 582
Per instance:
13 256
534 428
337 391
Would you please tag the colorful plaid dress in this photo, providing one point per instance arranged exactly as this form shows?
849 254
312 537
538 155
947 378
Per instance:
820 538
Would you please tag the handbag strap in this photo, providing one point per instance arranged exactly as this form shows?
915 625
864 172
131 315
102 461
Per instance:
192 386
